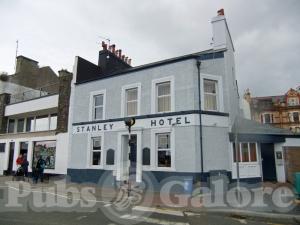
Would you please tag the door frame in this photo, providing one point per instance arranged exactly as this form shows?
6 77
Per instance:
120 151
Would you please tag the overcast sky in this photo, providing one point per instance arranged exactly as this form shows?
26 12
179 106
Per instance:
266 34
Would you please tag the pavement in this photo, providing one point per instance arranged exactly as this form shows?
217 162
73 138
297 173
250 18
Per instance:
48 204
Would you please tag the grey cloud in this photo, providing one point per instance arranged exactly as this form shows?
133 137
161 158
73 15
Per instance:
266 34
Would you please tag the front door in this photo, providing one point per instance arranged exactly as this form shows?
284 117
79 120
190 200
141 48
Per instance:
11 158
132 156
268 162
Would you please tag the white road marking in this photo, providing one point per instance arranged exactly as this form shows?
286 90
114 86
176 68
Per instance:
160 211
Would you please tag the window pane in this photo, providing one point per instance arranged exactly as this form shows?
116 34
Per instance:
29 124
210 102
267 118
163 141
245 153
2 147
210 86
131 108
98 100
20 126
97 143
11 126
296 116
164 104
164 159
96 160
53 121
131 94
163 89
253 157
98 113
238 153
42 123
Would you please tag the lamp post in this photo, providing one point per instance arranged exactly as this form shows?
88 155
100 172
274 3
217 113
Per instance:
129 122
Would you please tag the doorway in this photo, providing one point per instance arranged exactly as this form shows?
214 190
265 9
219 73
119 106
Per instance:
268 162
23 148
129 158
10 158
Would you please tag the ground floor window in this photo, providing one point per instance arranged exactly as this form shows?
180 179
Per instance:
245 152
46 150
96 151
163 149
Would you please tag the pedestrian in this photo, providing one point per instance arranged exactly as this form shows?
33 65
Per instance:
25 165
19 160
40 166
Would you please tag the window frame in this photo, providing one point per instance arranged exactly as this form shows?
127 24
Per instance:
89 164
295 103
124 99
219 91
92 104
154 153
271 118
292 118
154 97
211 94
233 154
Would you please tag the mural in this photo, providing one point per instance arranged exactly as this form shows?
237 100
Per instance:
47 150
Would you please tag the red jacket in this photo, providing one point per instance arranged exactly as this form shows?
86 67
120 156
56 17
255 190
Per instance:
19 161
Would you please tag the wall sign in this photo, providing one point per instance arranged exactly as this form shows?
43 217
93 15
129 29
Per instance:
168 121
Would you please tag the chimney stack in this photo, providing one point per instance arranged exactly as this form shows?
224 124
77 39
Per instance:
117 53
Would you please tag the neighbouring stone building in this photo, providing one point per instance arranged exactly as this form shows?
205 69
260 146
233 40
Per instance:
34 109
282 111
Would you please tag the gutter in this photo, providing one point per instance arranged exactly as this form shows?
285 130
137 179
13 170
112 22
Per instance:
198 64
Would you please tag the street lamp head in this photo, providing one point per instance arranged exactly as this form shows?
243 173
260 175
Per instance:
129 122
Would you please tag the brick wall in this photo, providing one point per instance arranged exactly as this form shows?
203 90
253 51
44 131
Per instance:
65 79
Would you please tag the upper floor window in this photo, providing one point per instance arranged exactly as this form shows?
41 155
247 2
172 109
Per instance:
163 91
210 95
293 101
294 116
98 107
31 124
131 105
11 126
267 118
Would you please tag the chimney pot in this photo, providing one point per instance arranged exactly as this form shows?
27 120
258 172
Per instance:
129 62
113 48
221 12
120 53
126 59
104 46
123 57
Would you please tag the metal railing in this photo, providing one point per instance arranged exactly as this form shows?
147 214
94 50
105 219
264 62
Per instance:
34 93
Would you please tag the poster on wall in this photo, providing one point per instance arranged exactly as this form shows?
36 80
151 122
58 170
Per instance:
47 150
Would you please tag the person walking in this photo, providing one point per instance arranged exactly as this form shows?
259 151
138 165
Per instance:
25 165
39 170
19 160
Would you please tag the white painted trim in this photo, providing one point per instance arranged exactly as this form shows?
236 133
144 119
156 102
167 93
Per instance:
123 96
91 105
153 154
170 79
89 151
220 92
271 117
